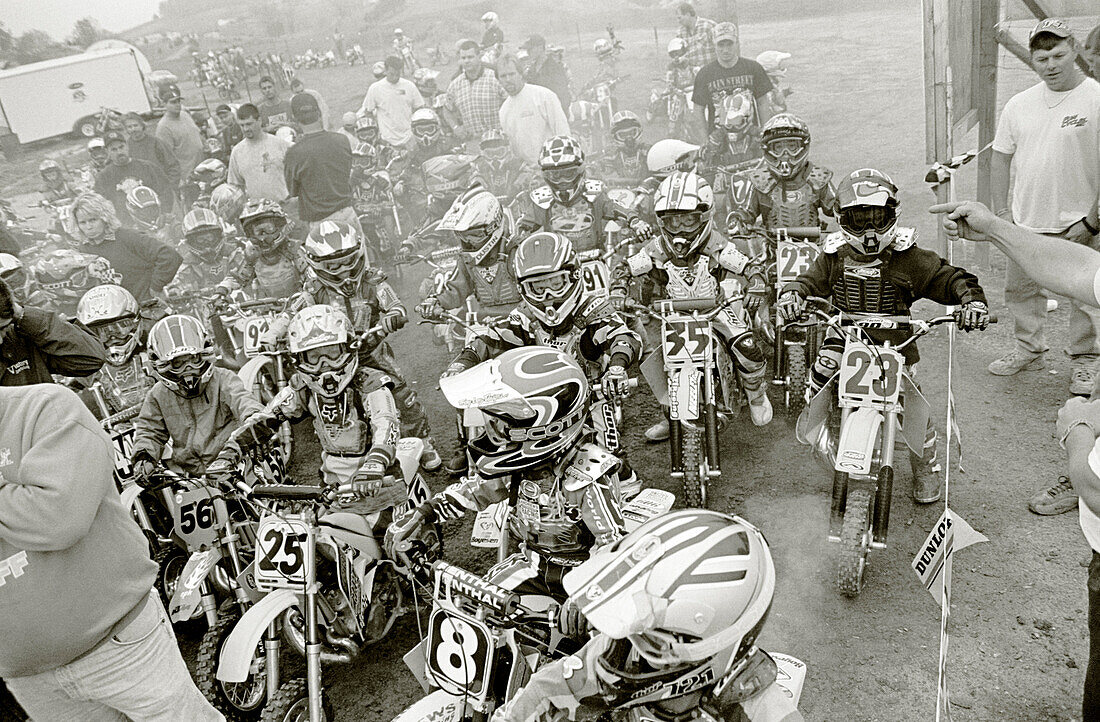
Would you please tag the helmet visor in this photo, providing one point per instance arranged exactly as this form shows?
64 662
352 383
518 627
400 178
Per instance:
548 287
562 176
630 132
860 219
685 223
267 232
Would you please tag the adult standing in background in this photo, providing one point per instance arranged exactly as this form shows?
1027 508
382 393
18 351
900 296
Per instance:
347 128
699 34
1048 140
731 75
83 634
144 146
473 97
178 131
125 173
1091 52
546 70
274 111
392 100
297 86
318 168
531 115
493 37
229 130
256 164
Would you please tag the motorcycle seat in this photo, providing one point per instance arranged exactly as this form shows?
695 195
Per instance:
348 521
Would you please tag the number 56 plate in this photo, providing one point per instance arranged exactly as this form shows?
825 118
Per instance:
281 553
870 375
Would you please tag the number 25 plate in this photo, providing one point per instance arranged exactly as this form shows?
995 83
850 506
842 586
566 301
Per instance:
870 375
793 259
457 653
280 553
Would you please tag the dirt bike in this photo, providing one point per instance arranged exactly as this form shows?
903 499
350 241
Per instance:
674 104
855 419
329 586
98 124
590 114
697 383
377 211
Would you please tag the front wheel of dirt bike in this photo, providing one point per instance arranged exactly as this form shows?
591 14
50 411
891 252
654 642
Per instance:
239 702
291 703
855 541
695 483
798 376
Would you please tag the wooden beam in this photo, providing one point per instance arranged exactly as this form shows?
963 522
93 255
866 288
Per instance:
1013 46
1039 11
936 101
989 14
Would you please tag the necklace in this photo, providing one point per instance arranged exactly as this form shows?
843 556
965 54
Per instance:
1047 92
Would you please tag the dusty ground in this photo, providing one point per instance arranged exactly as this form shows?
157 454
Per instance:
1018 620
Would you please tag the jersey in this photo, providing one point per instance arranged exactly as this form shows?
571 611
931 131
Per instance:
125 385
581 221
278 275
492 283
760 202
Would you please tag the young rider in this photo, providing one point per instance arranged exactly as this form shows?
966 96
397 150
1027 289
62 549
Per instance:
626 160
874 266
271 263
113 315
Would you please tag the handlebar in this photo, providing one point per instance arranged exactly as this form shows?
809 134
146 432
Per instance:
122 416
805 233
260 302
292 492
685 304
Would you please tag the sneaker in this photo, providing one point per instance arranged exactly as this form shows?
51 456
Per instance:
657 432
927 482
1014 362
456 465
1083 380
430 460
760 410
1058 498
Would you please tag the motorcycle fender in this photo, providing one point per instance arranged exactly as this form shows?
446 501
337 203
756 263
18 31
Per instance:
436 707
130 496
590 463
414 660
685 390
250 372
240 645
649 504
409 451
917 411
351 529
185 600
856 447
791 675
653 371
816 413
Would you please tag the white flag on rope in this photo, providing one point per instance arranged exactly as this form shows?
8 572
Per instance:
950 534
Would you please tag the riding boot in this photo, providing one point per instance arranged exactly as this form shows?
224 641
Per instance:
927 473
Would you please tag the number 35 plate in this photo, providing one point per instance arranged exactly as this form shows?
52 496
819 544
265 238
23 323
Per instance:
870 375
280 553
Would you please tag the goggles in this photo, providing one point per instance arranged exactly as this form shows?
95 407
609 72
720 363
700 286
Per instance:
120 329
185 364
629 133
684 222
266 230
859 219
78 278
549 286
318 360
474 238
346 266
497 151
425 130
367 135
785 147
562 176
206 238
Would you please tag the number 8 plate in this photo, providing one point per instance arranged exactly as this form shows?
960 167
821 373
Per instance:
458 653
281 553
870 375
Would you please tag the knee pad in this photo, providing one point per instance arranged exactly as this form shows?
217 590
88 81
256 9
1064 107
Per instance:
745 349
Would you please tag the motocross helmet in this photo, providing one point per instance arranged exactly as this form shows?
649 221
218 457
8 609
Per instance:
336 253
494 147
143 205
478 222
209 174
50 170
425 126
213 145
447 176
734 117
549 276
203 233
684 597
287 133
425 79
13 273
228 201
535 402
603 48
676 48
785 139
65 275
867 202
363 155
683 204
561 161
319 338
181 354
112 314
625 127
671 154
265 224
378 70
366 129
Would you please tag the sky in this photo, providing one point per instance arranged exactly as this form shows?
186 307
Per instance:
56 17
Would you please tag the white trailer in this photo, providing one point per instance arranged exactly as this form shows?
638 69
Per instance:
59 96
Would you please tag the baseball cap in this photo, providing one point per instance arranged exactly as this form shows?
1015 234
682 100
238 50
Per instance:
222 107
170 92
1054 26
95 143
725 31
535 41
304 108
113 136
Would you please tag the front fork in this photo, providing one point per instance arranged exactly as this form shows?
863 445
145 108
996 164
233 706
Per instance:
884 487
313 642
710 427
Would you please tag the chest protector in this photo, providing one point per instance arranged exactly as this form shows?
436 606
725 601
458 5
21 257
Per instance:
279 278
789 204
694 281
125 386
863 287
493 284
341 424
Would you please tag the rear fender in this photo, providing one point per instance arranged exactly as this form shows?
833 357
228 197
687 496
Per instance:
436 707
130 496
240 645
188 595
858 436
816 413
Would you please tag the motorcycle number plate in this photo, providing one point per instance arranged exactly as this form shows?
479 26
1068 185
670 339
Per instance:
596 278
458 653
281 553
123 441
417 494
792 259
351 584
685 341
254 329
197 514
869 375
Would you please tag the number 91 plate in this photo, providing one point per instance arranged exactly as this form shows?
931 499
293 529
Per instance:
870 375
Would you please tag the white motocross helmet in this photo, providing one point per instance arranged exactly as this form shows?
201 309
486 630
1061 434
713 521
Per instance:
867 204
683 205
113 315
478 222
671 154
319 338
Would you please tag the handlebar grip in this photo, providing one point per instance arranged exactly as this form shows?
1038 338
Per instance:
121 416
289 491
686 304
802 232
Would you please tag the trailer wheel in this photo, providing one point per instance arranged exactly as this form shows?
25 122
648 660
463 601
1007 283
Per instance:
85 127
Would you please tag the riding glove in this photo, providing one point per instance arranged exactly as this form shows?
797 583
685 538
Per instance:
791 306
972 316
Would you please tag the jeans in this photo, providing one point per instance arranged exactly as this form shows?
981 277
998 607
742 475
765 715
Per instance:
136 674
1028 306
1091 704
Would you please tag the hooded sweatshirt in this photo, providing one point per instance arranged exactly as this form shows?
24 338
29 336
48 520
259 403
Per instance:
72 561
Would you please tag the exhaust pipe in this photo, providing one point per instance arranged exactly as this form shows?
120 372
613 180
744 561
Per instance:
344 649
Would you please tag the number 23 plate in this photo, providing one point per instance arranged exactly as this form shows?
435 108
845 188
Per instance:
793 259
458 653
870 375
281 553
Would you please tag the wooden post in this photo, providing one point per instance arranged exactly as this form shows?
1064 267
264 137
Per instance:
580 46
988 50
937 112
1039 11
1013 46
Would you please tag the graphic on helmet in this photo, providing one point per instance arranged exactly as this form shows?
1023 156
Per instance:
549 276
683 204
181 354
562 164
203 233
144 207
112 314
265 223
625 127
228 202
478 222
671 154
535 401
426 126
65 275
336 253
494 146
319 339
785 139
868 201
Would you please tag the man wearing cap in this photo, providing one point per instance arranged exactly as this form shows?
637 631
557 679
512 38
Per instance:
229 130
347 128
1048 139
297 86
392 100
531 115
318 168
474 96
144 146
257 163
178 130
97 151
125 173
719 83
545 70
699 34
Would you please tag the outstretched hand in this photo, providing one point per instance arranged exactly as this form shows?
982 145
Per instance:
966 220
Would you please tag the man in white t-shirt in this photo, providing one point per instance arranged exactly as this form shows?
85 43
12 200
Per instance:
392 100
1049 139
256 163
531 114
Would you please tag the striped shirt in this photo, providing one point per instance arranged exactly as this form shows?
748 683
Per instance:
476 102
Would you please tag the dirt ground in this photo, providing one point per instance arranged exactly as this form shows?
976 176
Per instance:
1018 636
